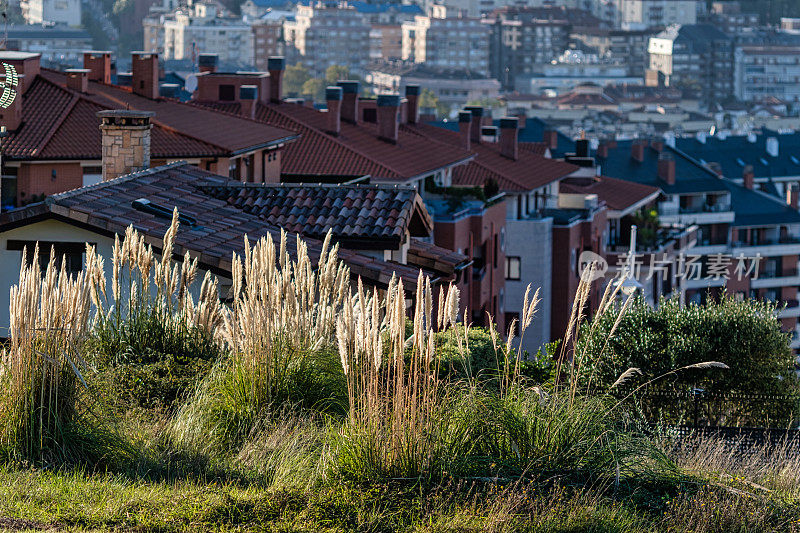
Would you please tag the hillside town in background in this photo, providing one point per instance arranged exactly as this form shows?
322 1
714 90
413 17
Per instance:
489 143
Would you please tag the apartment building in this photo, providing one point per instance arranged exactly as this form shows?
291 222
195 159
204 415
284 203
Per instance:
728 17
67 12
446 41
769 70
322 35
696 58
268 38
523 38
452 87
738 240
184 32
59 45
628 47
645 14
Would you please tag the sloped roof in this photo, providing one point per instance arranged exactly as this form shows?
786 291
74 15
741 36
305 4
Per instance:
59 123
528 172
367 213
356 151
618 195
218 232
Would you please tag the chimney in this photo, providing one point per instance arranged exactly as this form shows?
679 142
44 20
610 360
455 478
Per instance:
666 168
78 79
465 128
793 195
521 120
475 127
509 147
333 96
169 90
637 151
658 146
748 176
412 107
11 116
602 150
248 97
145 74
99 65
388 110
126 141
27 65
349 100
550 138
275 66
582 148
207 62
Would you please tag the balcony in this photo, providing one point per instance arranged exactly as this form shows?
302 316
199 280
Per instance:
769 279
788 245
702 214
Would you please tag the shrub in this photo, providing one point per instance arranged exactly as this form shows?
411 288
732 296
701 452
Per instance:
744 335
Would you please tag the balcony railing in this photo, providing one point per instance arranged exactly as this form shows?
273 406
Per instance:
789 239
692 210
775 275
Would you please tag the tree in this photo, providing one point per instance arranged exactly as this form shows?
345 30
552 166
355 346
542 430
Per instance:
335 73
314 88
294 78
745 335
429 100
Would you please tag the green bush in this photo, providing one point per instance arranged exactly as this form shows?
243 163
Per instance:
745 335
152 358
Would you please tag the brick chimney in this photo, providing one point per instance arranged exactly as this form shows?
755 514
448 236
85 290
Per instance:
637 151
477 119
126 141
275 66
657 145
465 128
793 195
99 64
748 176
248 98
666 168
11 116
509 147
388 111
349 100
27 66
144 67
78 79
333 97
550 138
602 150
207 62
412 107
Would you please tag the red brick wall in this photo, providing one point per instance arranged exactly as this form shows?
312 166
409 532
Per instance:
38 179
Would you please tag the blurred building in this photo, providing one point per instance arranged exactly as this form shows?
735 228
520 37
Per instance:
57 11
446 41
59 45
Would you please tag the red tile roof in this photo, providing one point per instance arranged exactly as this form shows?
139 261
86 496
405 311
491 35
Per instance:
538 148
617 194
356 151
59 123
108 208
528 172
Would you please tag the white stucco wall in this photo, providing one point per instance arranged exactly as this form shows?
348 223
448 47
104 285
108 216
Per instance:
532 242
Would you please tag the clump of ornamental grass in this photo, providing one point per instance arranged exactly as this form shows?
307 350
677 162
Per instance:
42 372
400 423
278 332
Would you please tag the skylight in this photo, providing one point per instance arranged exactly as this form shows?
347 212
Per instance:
146 206
739 160
794 160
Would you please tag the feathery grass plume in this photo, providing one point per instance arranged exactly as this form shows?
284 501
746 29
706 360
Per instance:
626 376
50 314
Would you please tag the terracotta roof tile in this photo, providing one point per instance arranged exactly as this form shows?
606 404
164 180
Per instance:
617 194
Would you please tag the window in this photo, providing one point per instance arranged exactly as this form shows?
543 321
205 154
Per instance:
71 253
513 268
227 93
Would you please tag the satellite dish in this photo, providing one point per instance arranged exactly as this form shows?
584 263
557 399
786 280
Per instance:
191 83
